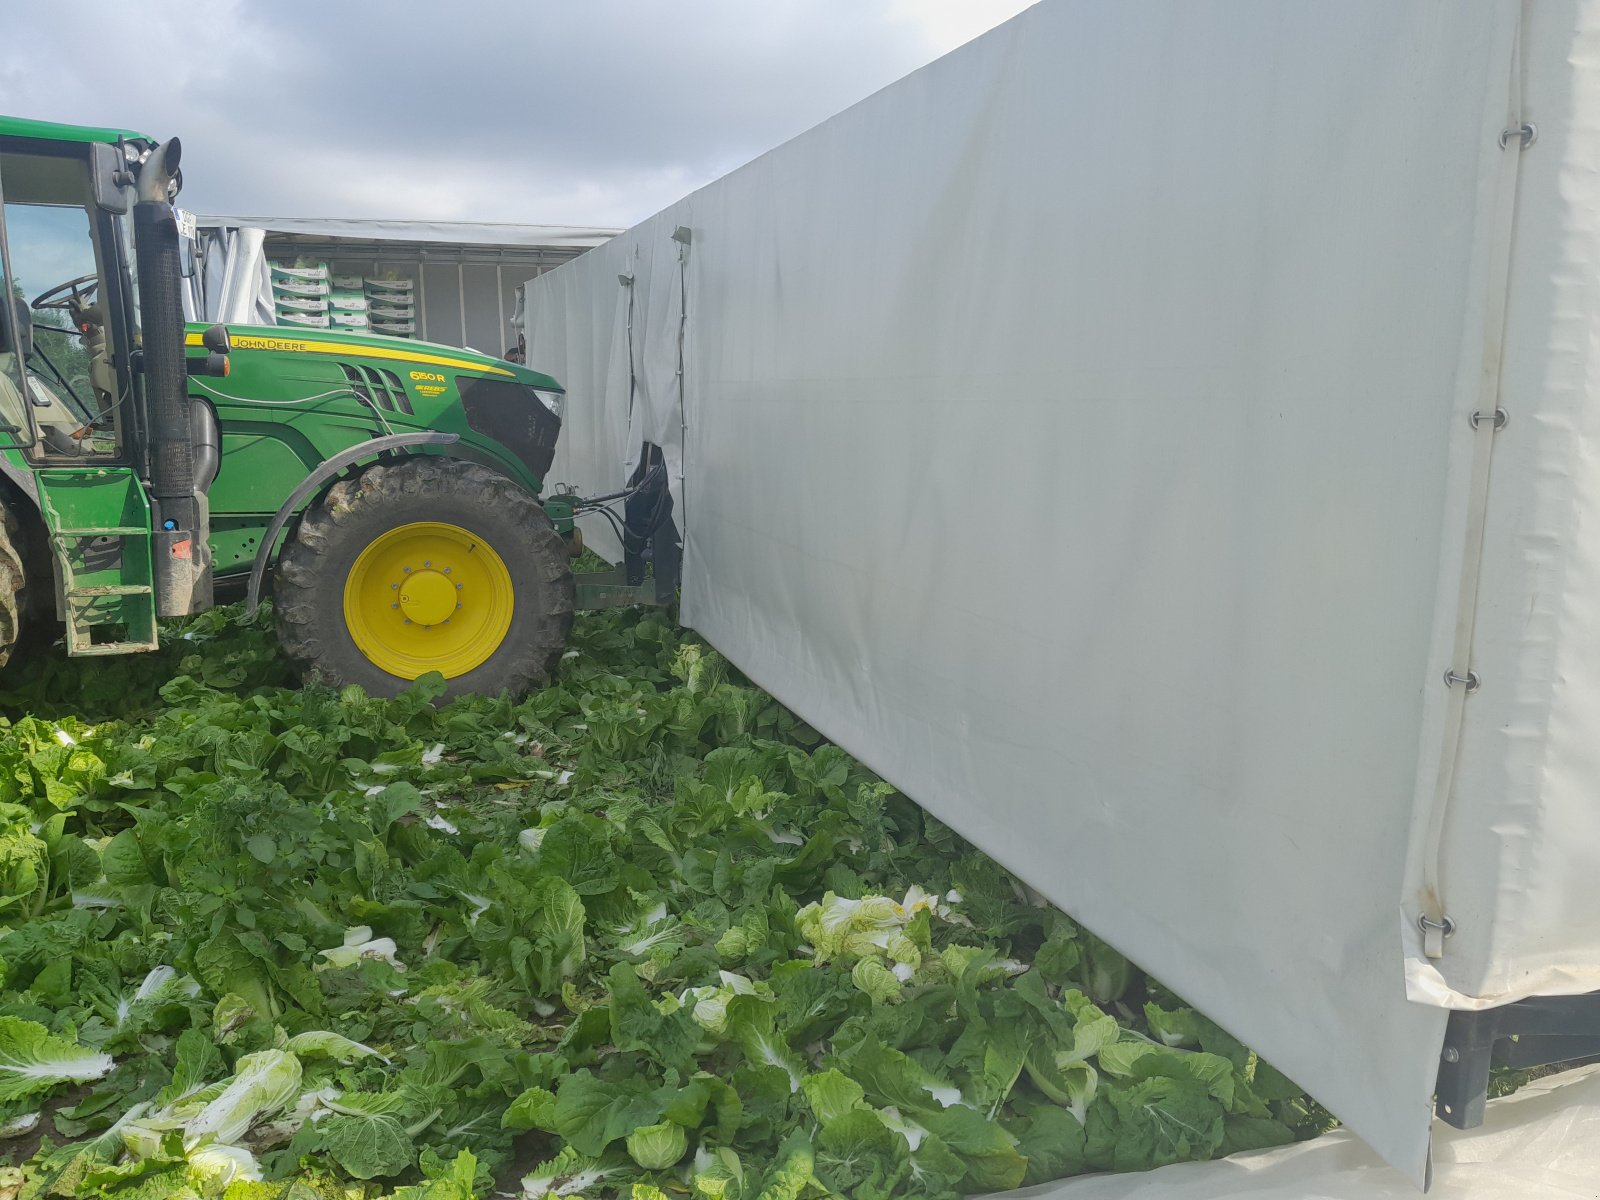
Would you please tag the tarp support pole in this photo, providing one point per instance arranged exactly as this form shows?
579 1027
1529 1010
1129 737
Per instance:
500 299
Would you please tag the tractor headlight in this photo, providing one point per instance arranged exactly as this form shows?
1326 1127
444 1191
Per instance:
554 401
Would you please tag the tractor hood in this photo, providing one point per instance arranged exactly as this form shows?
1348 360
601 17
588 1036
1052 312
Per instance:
502 409
343 344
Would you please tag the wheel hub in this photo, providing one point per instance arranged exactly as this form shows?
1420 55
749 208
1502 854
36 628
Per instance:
427 597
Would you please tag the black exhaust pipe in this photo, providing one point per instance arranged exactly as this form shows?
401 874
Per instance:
182 575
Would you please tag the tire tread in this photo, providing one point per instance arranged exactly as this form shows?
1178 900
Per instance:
309 637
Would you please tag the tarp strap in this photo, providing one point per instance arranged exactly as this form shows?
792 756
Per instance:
1487 420
683 237
633 379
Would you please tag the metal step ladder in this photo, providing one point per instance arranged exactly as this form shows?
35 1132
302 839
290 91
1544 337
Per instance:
98 519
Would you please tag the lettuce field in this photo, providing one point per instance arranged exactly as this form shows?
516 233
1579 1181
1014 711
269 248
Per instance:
640 934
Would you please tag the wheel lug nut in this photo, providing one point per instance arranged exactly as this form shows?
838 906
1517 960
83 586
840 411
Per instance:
427 562
394 587
394 606
408 620
458 606
447 570
407 570
458 587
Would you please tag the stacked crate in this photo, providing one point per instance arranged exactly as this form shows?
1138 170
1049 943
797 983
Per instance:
391 308
300 293
347 304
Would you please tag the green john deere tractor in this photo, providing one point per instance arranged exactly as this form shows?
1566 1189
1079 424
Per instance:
387 491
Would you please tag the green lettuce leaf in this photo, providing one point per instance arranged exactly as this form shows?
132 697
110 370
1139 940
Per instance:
33 1061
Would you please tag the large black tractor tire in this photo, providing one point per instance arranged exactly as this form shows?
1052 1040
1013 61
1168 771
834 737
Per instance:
345 581
13 583
28 624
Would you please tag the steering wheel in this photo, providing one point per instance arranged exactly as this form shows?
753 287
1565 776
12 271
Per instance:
63 295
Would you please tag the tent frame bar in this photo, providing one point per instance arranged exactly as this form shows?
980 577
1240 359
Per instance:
1536 1032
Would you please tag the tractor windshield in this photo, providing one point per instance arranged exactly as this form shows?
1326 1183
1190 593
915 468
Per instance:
57 271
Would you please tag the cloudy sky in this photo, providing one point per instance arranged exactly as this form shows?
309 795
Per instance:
572 112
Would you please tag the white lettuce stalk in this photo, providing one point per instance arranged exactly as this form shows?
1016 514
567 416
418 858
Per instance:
214 1167
359 944
33 1060
264 1083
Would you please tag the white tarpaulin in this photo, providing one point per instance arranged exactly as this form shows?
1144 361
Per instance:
617 340
230 281
1079 431
1541 1144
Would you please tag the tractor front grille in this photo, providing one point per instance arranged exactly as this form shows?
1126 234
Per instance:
512 415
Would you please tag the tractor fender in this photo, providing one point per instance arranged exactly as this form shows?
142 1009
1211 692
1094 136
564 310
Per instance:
22 478
325 471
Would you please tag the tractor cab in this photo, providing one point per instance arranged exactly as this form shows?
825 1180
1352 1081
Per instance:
97 432
71 292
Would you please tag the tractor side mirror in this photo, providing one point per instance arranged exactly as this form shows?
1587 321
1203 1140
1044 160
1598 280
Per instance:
218 346
108 170
216 340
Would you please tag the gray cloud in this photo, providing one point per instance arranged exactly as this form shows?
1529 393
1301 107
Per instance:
587 112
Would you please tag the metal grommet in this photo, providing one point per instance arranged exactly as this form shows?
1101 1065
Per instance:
1470 679
1527 133
1499 416
1425 923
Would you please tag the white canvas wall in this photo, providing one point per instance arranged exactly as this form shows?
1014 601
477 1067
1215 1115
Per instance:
1077 431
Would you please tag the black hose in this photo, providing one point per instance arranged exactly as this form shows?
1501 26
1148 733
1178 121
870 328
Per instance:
611 519
171 446
636 526
644 528
172 474
656 471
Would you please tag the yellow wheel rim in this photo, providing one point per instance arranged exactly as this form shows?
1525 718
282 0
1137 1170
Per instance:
428 597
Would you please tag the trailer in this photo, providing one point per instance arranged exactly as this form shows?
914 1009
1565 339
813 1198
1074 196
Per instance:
461 278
